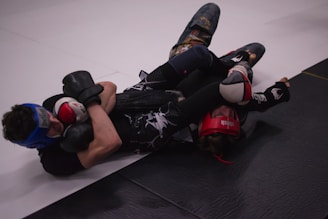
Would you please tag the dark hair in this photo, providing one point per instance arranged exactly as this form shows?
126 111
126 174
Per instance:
18 123
216 143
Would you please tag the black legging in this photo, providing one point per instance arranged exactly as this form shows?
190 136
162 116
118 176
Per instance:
200 102
197 73
202 73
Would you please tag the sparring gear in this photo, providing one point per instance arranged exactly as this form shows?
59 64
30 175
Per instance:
272 96
199 30
80 85
68 110
237 88
198 57
252 53
38 138
224 120
77 137
278 93
168 75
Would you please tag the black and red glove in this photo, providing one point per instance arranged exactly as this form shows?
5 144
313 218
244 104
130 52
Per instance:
80 85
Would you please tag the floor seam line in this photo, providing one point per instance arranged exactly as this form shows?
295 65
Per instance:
160 196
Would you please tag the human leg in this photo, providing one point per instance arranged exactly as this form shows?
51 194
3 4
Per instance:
251 53
153 129
168 75
199 30
220 67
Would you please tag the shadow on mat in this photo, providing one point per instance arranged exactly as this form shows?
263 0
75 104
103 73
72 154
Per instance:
260 133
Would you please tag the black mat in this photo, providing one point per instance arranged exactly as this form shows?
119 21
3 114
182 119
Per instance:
319 70
280 171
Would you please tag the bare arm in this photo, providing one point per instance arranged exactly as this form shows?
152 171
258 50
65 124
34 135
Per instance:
106 139
108 96
286 81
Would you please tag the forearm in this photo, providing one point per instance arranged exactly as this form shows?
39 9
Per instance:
80 85
272 96
106 139
108 96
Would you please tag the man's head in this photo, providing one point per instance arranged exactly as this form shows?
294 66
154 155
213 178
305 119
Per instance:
219 128
31 125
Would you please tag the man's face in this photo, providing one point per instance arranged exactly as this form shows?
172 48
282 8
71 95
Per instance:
223 111
223 120
219 130
56 128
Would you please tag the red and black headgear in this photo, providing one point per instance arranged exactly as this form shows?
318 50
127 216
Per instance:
225 124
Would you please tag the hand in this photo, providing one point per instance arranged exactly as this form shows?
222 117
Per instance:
77 137
279 92
286 81
68 110
237 88
81 86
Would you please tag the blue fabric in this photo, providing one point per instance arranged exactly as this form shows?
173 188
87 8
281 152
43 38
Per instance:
194 58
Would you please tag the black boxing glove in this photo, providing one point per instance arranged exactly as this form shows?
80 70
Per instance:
80 85
77 137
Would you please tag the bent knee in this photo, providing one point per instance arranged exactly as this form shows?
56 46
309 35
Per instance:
203 54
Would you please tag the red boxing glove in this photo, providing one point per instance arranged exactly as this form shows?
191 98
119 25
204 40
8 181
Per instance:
68 110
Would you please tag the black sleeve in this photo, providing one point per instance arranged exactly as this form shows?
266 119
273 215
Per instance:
54 159
272 96
58 162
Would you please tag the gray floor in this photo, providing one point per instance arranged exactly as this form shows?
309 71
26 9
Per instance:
41 41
